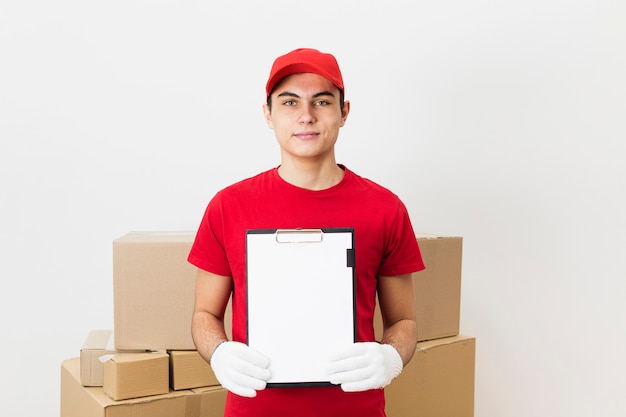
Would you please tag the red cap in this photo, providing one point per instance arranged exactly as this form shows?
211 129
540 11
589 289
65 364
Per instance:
304 60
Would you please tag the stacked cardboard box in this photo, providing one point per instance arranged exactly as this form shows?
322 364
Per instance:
80 401
438 382
189 370
147 365
153 303
439 379
98 344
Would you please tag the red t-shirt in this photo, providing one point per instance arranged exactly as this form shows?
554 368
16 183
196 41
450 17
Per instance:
384 243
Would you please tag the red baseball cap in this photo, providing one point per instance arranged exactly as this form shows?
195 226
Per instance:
304 60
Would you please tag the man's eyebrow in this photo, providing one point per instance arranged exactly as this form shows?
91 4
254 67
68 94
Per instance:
323 93
316 95
288 94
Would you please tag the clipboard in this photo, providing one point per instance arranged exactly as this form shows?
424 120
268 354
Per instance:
301 300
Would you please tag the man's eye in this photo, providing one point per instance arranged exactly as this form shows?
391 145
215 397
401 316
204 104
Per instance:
322 103
289 103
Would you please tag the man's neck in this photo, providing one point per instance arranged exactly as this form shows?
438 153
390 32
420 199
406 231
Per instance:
311 176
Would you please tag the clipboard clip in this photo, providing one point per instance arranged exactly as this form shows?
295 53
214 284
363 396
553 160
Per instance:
299 235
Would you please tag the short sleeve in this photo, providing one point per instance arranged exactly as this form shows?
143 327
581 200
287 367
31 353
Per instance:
208 252
402 253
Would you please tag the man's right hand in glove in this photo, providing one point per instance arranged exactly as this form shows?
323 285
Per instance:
240 369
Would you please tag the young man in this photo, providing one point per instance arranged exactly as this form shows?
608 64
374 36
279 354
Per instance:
306 108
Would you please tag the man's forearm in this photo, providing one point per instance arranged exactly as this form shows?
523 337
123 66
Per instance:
207 332
402 335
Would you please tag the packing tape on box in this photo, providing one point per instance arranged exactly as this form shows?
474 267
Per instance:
105 358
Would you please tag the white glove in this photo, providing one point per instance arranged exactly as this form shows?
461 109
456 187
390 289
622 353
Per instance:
240 369
364 366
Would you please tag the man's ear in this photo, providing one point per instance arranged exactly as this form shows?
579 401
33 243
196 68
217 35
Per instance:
344 112
267 113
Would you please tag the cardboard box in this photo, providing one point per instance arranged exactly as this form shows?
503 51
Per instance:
189 370
133 375
153 289
212 401
437 288
437 382
153 286
98 343
79 401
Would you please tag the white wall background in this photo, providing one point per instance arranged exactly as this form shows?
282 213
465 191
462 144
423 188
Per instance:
499 121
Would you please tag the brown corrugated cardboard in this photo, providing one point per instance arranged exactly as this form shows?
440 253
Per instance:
189 370
153 287
437 288
437 382
79 401
153 291
212 401
98 343
133 375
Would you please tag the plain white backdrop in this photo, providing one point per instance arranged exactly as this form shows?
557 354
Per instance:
499 121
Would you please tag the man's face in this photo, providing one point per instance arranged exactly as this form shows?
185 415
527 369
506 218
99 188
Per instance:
306 116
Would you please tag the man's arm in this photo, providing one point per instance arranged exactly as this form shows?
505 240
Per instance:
397 307
370 365
211 297
237 367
